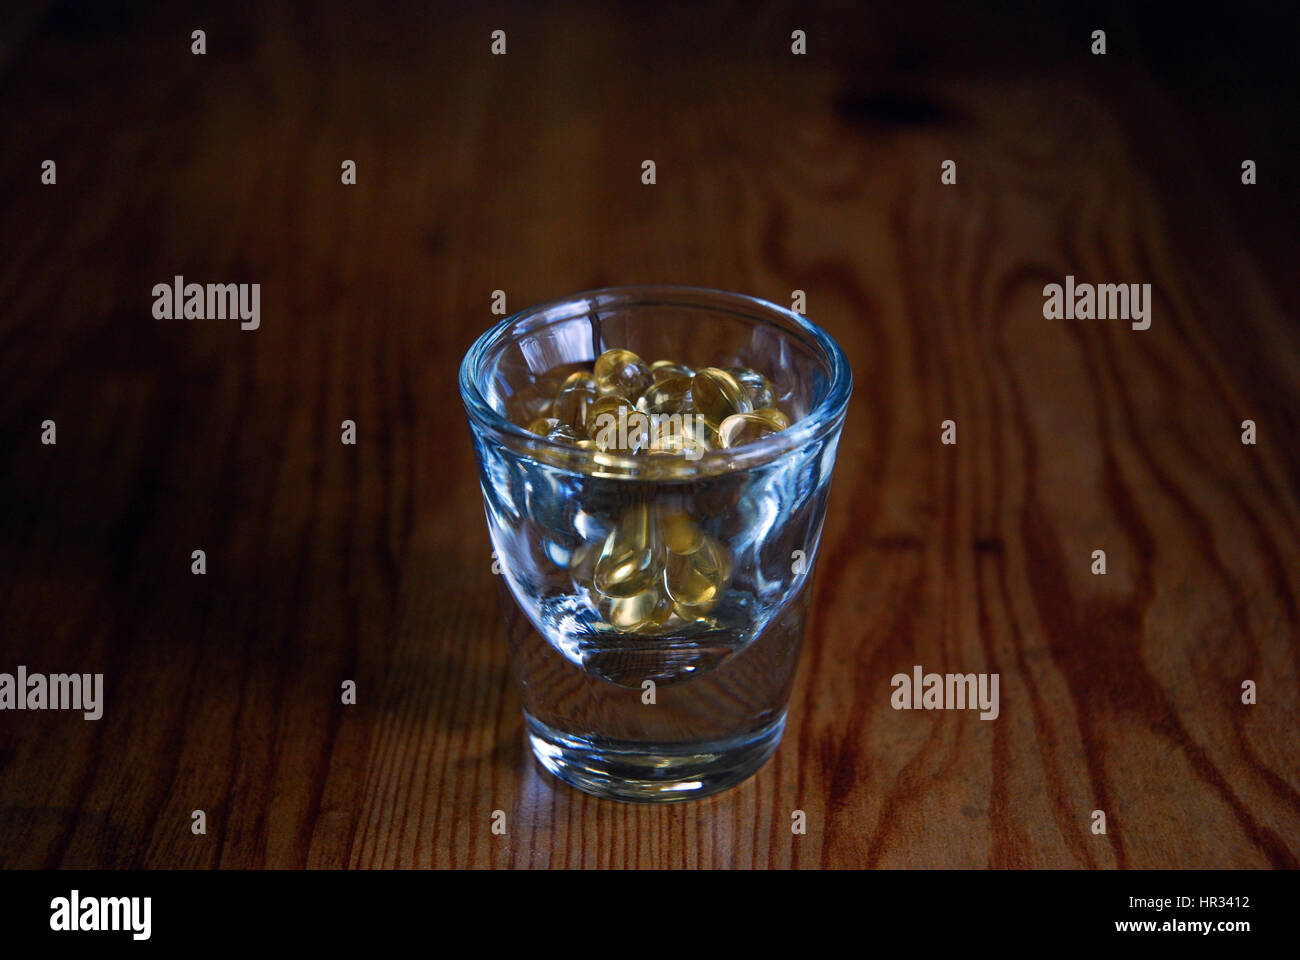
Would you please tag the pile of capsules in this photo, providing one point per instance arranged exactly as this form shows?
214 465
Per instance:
625 405
657 566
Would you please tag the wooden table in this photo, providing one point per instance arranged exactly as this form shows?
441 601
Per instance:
775 172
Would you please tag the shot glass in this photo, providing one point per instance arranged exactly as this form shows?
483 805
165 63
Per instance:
619 699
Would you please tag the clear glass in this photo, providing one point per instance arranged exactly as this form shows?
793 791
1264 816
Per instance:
687 708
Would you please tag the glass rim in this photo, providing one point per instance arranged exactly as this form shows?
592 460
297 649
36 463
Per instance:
819 423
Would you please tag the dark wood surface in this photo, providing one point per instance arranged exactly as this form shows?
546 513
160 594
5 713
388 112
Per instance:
775 172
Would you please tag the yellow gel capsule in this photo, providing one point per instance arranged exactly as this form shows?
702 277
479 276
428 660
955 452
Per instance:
706 433
617 426
544 425
631 560
606 412
756 386
779 419
742 428
621 372
638 433
579 379
687 435
573 404
697 580
610 404
701 430
644 611
717 394
550 382
670 368
678 531
668 394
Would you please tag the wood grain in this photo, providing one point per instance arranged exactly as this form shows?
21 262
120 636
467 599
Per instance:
522 173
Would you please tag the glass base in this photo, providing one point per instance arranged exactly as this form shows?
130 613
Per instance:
649 773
